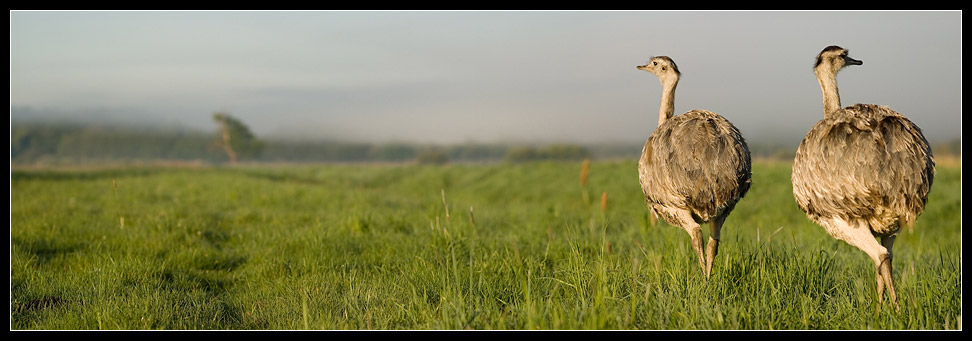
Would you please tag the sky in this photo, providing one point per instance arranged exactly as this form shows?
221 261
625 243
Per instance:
445 77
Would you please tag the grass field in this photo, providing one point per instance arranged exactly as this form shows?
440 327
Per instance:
500 246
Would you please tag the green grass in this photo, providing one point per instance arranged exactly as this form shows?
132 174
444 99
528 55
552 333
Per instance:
371 247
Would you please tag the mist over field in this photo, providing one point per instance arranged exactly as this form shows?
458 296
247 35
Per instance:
491 77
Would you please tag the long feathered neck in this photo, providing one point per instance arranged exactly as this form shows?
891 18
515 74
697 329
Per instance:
828 86
667 99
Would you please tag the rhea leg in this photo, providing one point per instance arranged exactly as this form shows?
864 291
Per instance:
695 231
860 236
884 271
683 218
712 249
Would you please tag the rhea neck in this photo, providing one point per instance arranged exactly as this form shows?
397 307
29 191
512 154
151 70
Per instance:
827 77
667 107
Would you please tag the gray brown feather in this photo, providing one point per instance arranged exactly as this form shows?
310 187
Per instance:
697 161
864 163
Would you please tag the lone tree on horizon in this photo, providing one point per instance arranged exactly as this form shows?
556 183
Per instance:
235 138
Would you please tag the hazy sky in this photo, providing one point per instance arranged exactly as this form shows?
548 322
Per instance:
484 76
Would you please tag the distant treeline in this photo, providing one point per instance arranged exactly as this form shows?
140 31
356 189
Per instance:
52 144
57 144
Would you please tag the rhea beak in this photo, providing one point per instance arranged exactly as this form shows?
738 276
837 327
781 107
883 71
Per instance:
852 61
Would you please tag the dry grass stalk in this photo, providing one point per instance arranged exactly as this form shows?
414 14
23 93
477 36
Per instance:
445 205
585 171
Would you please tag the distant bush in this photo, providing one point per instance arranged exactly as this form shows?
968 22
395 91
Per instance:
564 152
522 154
393 152
432 157
557 152
951 148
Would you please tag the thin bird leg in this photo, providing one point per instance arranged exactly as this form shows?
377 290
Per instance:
683 218
712 249
695 231
880 282
884 270
859 235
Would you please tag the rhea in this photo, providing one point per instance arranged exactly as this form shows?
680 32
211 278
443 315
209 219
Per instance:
694 167
862 171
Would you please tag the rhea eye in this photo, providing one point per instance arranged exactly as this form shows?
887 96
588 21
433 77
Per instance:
654 63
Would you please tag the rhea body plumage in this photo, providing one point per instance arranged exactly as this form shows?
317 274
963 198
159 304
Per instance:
694 167
862 171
